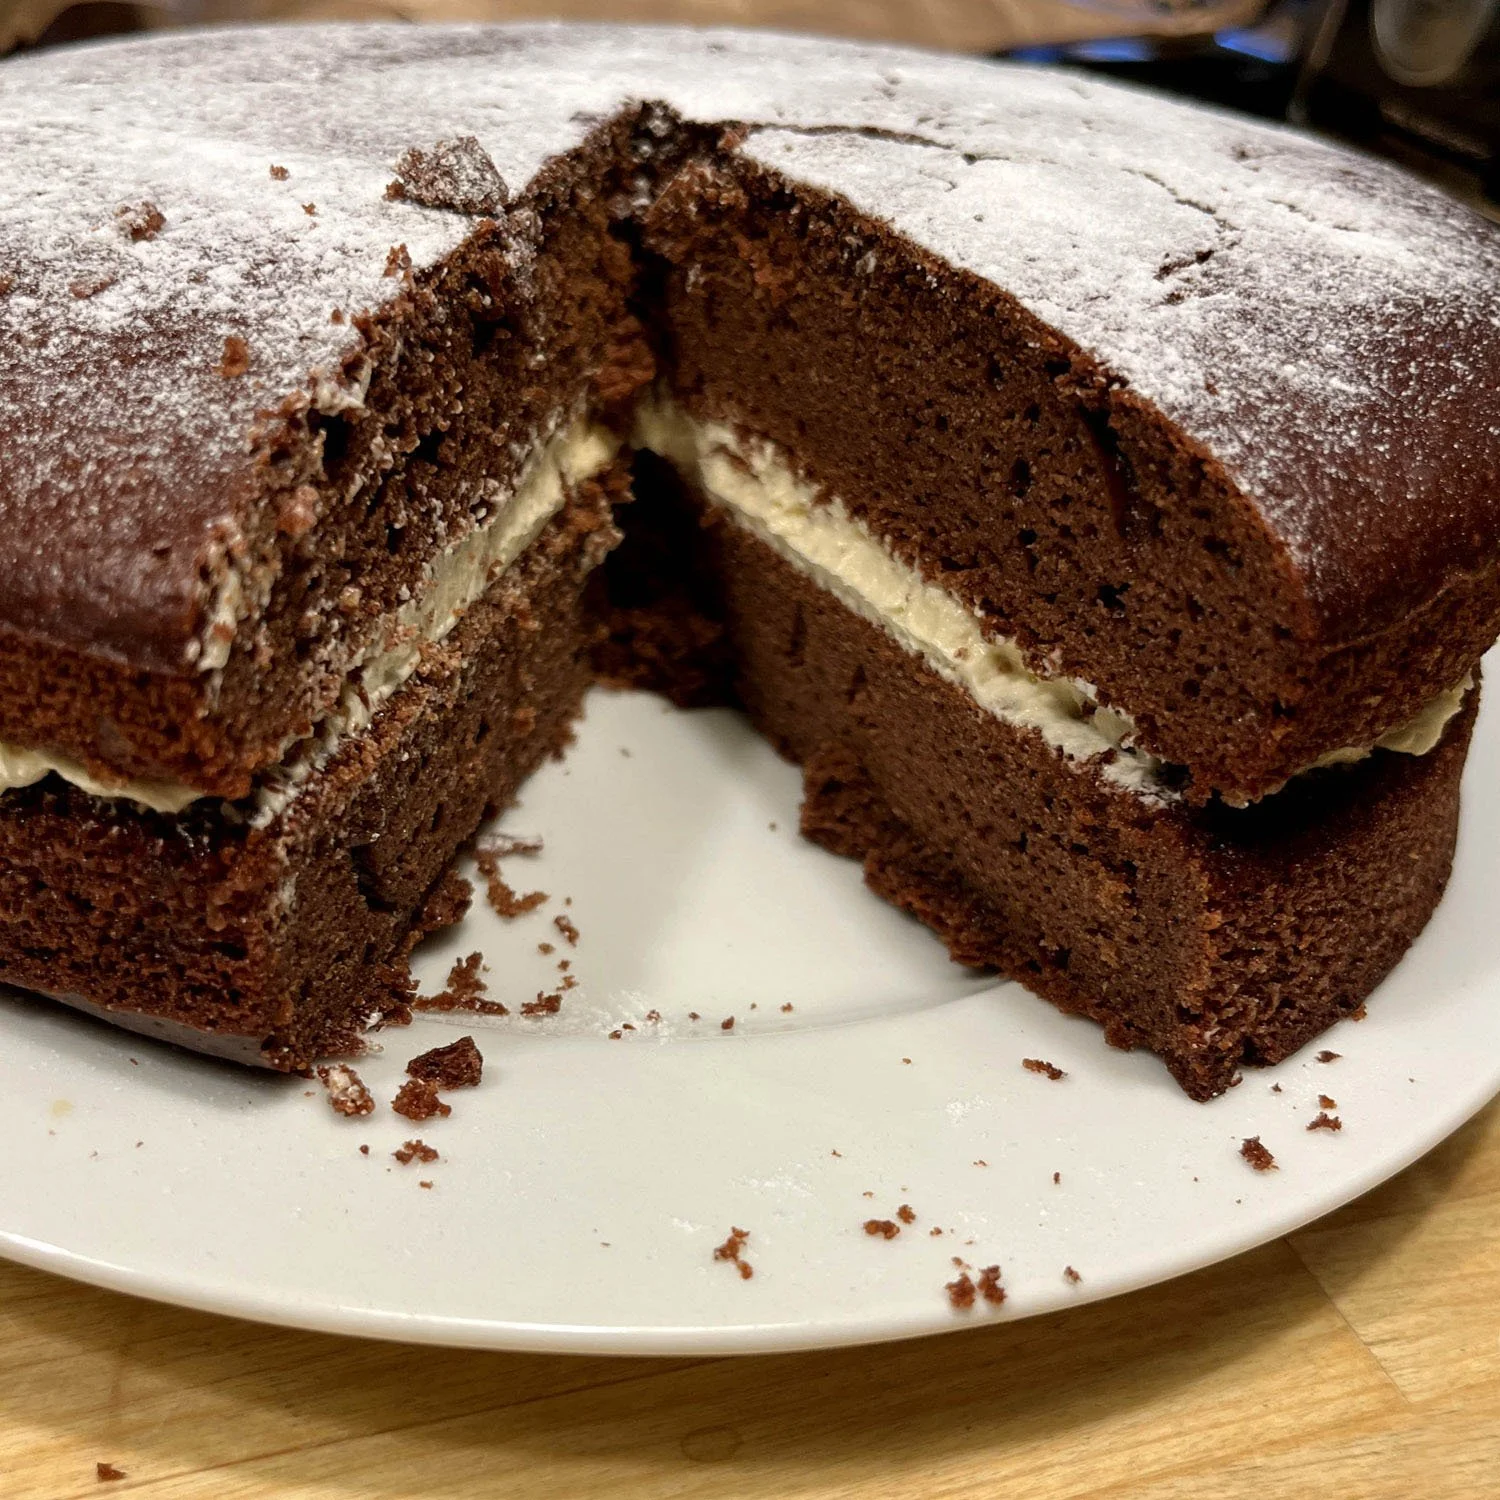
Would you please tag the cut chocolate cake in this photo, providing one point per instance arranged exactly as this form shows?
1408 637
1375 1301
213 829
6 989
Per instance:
1099 497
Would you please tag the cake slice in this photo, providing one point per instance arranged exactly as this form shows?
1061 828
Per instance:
1096 495
274 931
1214 936
312 444
1152 667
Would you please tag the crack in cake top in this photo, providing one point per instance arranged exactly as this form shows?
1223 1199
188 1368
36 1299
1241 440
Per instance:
1322 324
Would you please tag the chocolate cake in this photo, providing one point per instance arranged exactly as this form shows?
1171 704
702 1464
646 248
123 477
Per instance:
1099 496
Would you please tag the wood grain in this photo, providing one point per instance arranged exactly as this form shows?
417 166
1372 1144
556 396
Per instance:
1358 1358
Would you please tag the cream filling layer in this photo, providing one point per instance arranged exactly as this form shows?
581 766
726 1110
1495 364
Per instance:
19 767
818 536
455 579
752 482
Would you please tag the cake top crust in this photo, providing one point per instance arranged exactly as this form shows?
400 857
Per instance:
183 217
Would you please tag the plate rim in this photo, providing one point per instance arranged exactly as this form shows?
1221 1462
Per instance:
229 1299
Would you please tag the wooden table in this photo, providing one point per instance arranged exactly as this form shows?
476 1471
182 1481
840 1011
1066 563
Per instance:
1358 1359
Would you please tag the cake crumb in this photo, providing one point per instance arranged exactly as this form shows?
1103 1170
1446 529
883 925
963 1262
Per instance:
235 359
979 1161
414 1151
727 1024
906 1061
459 1065
867 1194
280 173
1071 1276
1275 1088
505 902
1056 1178
961 1292
732 1250
907 1214
465 988
447 1002
310 209
1324 1102
104 1472
466 977
1257 1155
543 1005
140 221
364 1150
425 1183
417 1099
566 927
1325 1121
397 262
616 1035
545 949
694 1016
989 1286
1037 1065
336 316
934 1232
886 1229
1325 1056
455 174
786 1009
653 1016
346 1091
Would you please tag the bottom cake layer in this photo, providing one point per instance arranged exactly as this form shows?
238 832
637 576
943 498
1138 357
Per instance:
1215 938
277 944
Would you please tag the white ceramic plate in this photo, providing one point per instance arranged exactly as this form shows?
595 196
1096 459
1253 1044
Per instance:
584 1185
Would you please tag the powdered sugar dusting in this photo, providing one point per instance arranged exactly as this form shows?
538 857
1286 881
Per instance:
1256 285
1260 287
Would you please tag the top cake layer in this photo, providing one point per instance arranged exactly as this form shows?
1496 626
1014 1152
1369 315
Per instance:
177 317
